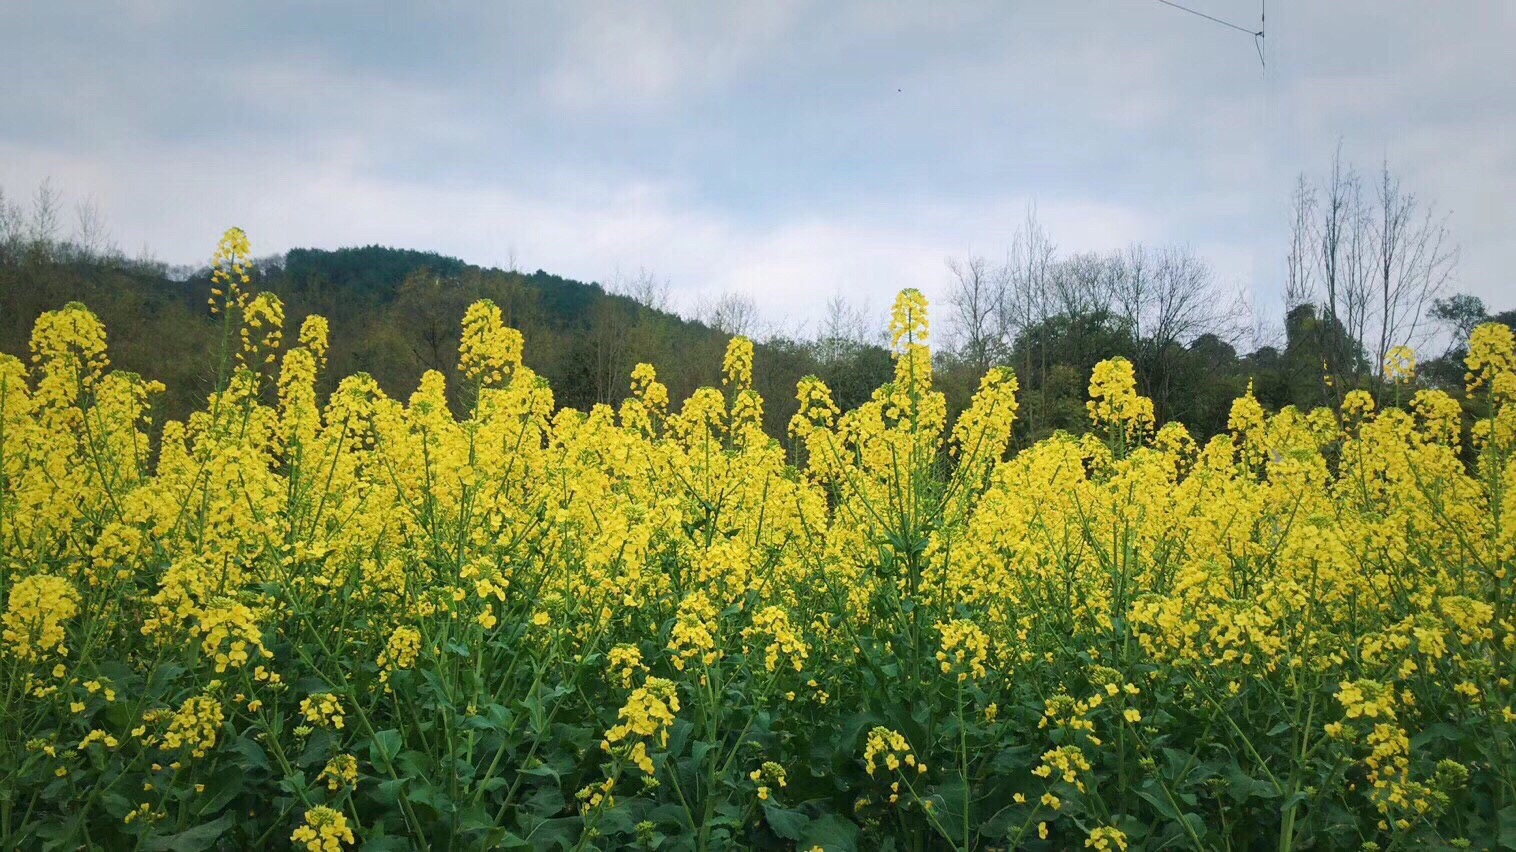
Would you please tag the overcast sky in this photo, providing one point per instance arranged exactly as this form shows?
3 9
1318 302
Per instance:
787 150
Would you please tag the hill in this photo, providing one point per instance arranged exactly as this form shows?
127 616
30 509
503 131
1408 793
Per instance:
395 313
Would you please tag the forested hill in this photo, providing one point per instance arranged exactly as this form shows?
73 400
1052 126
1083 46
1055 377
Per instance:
377 275
395 313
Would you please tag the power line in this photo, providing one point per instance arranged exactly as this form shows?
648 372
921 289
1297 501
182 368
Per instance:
1209 18
1263 24
1256 34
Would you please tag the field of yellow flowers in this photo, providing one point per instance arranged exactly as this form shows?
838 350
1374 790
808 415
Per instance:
368 622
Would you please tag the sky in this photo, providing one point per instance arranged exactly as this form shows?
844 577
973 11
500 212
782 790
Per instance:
788 151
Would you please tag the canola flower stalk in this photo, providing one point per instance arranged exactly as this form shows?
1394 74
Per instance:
336 617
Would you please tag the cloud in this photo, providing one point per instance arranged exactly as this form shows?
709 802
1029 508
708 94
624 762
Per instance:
616 56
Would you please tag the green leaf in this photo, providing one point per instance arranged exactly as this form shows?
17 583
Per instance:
1242 787
1177 760
253 754
1011 760
831 833
311 686
163 677
951 796
543 771
417 763
474 819
785 823
699 750
554 833
389 792
546 802
384 844
193 839
430 796
223 786
1160 803
383 748
1507 817
294 783
1197 825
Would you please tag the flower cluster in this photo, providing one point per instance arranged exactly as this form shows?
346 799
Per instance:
965 648
645 717
341 771
323 711
489 352
231 635
399 652
324 830
785 644
195 726
1114 399
36 612
889 749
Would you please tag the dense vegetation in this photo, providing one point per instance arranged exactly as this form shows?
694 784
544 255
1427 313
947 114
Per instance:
394 314
477 618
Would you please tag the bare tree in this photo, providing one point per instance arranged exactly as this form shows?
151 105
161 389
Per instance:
1084 283
1024 301
1345 268
91 236
1415 261
844 329
976 295
731 314
1300 266
1168 297
611 324
1381 262
42 231
433 307
645 288
1337 213
12 232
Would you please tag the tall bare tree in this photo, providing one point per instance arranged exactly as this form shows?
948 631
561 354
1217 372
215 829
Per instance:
1168 297
731 314
91 236
644 288
1025 303
47 206
1416 258
12 232
976 294
1300 265
1380 260
844 329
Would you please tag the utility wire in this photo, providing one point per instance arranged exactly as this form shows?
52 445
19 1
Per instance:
1256 34
1263 24
1209 18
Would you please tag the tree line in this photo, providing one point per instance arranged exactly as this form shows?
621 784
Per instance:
1368 266
396 313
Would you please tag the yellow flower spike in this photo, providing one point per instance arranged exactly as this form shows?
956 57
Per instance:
324 830
37 610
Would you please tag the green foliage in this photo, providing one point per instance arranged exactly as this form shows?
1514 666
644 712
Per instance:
395 314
